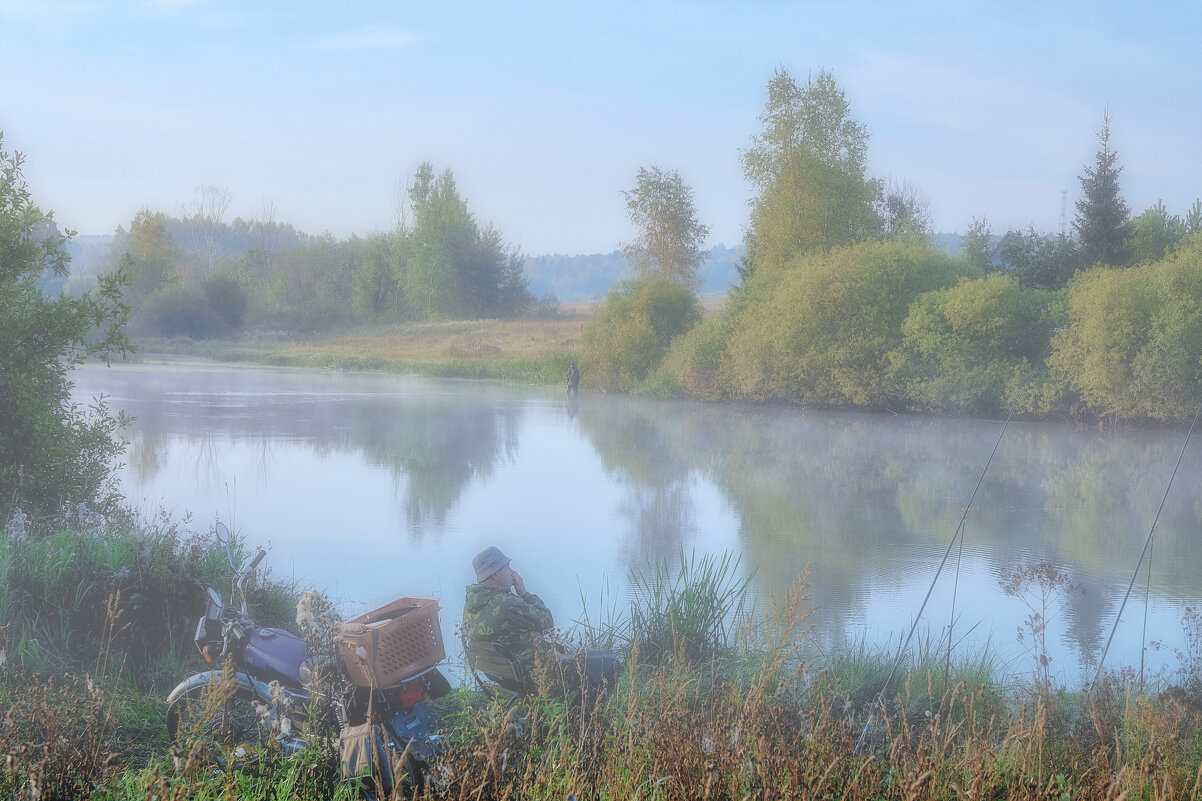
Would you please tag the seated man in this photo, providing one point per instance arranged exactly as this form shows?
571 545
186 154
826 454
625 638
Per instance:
499 609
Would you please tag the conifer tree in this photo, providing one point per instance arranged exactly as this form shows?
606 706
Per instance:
1101 220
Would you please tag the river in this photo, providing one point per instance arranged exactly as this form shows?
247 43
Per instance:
371 486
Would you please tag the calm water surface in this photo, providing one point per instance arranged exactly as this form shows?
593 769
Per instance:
371 487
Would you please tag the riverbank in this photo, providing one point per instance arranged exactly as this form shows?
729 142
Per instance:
535 351
713 704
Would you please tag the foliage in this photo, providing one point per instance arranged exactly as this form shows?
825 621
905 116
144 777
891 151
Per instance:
692 363
452 268
149 256
1193 220
1039 261
377 294
962 345
820 333
178 311
633 330
807 167
1152 233
1101 220
309 286
227 298
975 247
1133 344
670 240
52 453
904 210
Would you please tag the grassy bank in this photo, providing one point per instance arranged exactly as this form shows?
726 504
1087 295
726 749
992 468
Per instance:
522 351
718 701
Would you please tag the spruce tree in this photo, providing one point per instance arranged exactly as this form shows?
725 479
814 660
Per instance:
1101 221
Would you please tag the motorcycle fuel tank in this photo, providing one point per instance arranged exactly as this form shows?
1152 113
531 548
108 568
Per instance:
275 654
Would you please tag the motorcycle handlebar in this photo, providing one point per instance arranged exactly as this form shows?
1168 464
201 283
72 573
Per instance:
258 558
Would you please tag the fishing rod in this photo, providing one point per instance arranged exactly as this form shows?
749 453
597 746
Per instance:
880 698
1144 552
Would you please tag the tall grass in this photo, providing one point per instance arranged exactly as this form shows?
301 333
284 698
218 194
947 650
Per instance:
753 711
691 612
55 584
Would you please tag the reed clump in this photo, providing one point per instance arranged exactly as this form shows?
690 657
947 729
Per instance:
56 579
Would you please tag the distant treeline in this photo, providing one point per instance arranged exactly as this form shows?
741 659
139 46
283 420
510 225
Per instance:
591 277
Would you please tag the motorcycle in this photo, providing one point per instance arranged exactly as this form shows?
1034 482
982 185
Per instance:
277 680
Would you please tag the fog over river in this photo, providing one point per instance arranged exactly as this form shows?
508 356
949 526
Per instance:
372 487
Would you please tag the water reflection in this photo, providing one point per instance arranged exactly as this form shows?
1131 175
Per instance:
381 483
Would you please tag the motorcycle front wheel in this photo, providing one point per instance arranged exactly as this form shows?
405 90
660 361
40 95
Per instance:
223 728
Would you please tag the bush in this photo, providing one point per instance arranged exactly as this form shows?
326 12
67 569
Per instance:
633 330
691 366
820 333
227 299
1133 344
961 346
177 311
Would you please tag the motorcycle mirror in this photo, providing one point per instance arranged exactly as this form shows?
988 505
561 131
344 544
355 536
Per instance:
223 533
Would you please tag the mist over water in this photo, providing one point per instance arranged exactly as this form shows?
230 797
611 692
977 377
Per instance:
371 487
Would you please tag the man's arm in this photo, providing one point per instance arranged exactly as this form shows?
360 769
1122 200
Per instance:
532 608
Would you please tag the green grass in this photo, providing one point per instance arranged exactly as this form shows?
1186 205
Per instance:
740 705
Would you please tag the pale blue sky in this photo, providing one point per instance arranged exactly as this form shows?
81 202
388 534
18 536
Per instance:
545 110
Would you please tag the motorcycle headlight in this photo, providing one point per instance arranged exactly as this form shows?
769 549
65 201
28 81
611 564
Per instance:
316 672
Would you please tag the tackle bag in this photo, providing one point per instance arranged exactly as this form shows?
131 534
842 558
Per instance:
364 754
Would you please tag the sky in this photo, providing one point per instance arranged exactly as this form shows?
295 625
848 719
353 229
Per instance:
318 113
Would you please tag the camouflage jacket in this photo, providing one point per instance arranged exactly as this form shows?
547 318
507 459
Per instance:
494 614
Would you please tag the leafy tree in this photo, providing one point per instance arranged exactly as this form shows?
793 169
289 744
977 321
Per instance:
1039 261
310 286
1101 221
149 256
670 237
452 268
511 295
52 453
904 210
807 167
377 283
974 250
1152 233
633 330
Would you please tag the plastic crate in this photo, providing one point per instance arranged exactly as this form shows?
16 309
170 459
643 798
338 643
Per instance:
393 643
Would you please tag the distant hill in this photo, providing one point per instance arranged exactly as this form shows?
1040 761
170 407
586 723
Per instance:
591 277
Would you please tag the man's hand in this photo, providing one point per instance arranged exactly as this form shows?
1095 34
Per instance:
519 586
